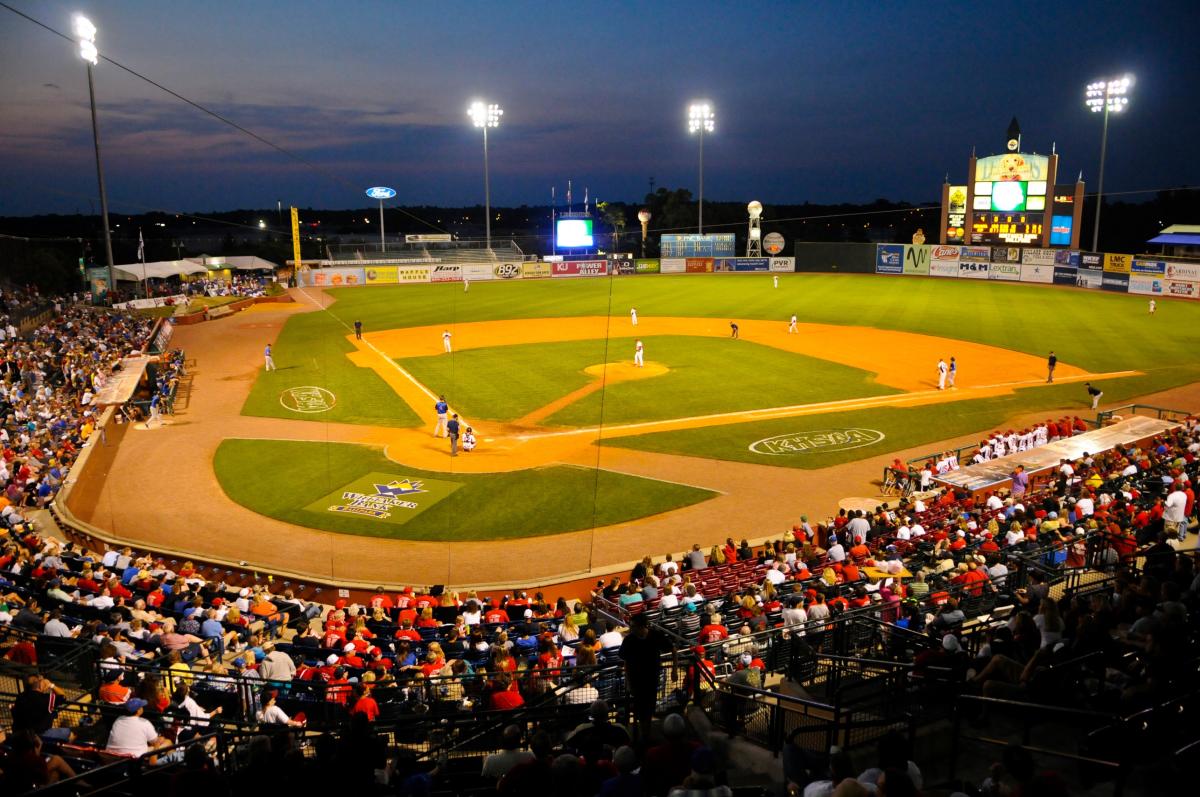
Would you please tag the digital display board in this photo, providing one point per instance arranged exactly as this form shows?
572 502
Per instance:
1007 228
574 233
1060 230
956 216
718 245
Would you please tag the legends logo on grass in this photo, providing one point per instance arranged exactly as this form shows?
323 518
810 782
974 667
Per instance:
307 399
384 497
817 441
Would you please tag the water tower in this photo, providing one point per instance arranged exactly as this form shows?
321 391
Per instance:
754 238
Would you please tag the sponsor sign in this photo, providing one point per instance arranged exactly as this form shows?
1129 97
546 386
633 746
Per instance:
817 441
698 265
413 273
1035 272
1145 284
646 266
976 271
748 264
532 270
307 399
507 271
381 192
1012 167
1184 272
785 265
1066 275
1117 264
943 268
1004 271
1006 254
1089 278
944 252
384 497
773 244
161 338
1091 260
377 275
673 265
975 254
1158 267
153 301
625 267
333 277
579 268
1187 290
1040 257
1115 281
477 271
1066 257
429 238
916 259
889 259
446 273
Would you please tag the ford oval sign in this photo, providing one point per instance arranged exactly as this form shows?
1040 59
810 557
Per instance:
381 192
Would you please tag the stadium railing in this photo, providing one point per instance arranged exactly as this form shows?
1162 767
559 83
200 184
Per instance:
1161 413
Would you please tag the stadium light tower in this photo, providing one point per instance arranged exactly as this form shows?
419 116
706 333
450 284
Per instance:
700 121
486 115
1105 96
85 31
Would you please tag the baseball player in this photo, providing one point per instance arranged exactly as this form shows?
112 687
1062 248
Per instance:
775 277
446 341
633 316
733 330
358 330
270 362
1153 305
441 408
155 411
1051 361
1095 393
466 285
792 325
953 371
637 354
942 370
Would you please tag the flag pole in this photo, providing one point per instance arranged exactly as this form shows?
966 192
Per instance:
142 257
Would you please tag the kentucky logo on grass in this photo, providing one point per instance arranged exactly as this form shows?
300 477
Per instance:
307 399
381 496
816 441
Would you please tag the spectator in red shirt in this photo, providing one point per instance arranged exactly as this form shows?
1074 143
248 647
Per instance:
713 631
363 703
504 694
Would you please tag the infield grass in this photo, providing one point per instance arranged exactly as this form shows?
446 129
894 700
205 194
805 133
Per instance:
279 478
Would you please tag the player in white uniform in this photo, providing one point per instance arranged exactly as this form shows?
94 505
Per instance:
466 285
637 354
633 316
1153 306
776 278
792 325
941 368
446 341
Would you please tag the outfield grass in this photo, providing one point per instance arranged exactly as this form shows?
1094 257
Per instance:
279 478
504 383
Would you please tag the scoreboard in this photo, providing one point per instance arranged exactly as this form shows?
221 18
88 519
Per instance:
1008 228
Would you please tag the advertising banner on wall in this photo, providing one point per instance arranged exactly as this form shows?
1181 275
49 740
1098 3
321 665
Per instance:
943 268
1156 267
1184 272
1066 257
1145 284
645 266
1117 264
889 259
916 259
672 265
1033 272
1065 275
748 263
1115 281
533 270
699 265
976 271
328 277
413 273
625 266
446 273
1004 271
1091 260
381 275
477 271
1186 290
507 271
580 268
1040 257
784 265
975 254
1089 278
1006 254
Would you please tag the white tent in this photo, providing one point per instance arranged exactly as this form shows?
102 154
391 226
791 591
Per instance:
236 262
157 270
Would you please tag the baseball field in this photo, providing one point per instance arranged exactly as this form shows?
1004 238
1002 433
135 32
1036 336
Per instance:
572 436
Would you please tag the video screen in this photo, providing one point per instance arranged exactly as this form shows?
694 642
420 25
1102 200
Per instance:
574 233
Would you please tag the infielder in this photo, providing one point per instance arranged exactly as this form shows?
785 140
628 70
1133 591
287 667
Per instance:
270 363
637 354
1095 393
733 330
446 341
953 371
792 325
942 370
633 316
441 408
1051 361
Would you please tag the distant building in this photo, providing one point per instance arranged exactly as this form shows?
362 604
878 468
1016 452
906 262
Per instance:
1179 240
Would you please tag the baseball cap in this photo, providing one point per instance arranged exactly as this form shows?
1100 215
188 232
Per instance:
134 704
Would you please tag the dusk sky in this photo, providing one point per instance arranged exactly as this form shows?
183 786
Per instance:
817 101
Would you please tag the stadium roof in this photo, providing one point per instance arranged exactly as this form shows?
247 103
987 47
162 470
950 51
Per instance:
1176 239
158 269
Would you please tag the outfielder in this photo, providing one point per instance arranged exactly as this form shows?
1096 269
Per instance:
1153 306
942 370
637 354
633 316
775 277
466 285
792 325
270 362
446 341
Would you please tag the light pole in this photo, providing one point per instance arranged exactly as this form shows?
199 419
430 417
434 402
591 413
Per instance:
381 193
700 121
1105 96
486 115
86 31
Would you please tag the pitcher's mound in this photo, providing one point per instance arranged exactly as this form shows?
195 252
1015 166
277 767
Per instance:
625 371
